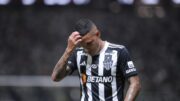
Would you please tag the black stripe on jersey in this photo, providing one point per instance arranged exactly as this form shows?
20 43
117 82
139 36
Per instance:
83 73
94 72
107 72
120 90
120 79
119 84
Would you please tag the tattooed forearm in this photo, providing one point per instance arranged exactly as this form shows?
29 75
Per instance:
60 70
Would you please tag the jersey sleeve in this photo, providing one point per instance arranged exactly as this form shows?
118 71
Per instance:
126 64
72 64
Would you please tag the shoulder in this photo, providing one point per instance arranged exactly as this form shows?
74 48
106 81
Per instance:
121 49
116 46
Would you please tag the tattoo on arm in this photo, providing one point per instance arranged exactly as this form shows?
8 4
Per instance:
61 70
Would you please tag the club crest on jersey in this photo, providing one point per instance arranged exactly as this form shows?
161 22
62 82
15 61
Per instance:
107 63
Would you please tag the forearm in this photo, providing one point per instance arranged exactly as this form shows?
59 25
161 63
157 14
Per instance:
132 92
60 71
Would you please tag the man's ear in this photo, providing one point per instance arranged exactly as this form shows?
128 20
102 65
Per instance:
98 34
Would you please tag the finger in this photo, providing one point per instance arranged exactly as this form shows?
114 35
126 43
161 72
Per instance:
77 37
74 36
75 33
78 41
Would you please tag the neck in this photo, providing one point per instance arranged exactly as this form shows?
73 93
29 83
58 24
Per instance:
101 45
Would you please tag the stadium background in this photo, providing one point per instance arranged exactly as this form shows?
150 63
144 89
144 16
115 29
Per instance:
33 36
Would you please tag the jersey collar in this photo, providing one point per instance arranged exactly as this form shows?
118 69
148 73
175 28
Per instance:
105 47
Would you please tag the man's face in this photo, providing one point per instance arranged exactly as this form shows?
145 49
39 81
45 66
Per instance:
90 43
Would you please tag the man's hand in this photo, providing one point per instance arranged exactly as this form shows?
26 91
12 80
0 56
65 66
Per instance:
61 70
73 40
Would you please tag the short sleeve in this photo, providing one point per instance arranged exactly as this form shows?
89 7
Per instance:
126 64
72 64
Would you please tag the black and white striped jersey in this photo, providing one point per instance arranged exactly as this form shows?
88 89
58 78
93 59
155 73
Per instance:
102 76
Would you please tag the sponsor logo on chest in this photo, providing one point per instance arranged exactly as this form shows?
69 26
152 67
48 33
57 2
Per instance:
99 79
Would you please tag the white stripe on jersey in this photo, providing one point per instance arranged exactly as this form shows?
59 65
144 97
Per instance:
114 58
100 73
88 72
78 65
113 72
79 53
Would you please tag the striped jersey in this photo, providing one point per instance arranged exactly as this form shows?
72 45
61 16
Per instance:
102 76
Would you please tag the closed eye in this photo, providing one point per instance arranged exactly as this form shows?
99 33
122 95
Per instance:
89 43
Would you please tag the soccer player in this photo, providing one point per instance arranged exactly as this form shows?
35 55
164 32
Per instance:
103 66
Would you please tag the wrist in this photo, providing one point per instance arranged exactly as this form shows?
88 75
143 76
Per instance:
68 51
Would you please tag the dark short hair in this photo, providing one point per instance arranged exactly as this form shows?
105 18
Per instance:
83 26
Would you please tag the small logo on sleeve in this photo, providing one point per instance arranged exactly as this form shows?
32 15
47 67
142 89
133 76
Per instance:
130 67
130 64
